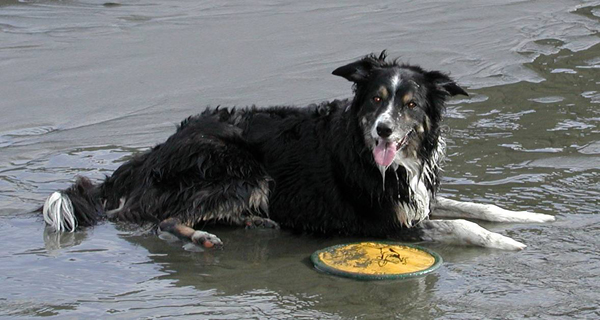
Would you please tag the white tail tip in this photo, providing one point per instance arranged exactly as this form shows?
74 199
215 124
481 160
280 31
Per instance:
59 213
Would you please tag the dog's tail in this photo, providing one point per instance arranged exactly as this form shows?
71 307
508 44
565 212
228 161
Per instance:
79 205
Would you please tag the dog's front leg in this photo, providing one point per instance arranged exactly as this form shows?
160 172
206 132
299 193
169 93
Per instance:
468 210
463 232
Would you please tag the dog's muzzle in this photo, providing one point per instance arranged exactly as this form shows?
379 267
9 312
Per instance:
385 149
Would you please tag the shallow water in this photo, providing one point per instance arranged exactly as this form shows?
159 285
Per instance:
85 84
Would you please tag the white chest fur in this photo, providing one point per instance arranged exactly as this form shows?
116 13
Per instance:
419 174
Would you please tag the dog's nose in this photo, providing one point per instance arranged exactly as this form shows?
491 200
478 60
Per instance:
384 130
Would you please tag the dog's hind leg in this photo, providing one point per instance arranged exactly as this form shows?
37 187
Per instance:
235 202
448 208
252 222
203 238
463 232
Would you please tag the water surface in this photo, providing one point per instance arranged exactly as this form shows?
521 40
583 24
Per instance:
85 84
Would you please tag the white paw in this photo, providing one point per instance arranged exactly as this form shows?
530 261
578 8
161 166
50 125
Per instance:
488 212
501 215
473 234
206 239
463 232
498 241
535 217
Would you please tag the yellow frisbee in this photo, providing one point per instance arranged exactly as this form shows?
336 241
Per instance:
376 260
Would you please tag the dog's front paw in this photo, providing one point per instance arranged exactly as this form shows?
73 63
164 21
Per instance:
498 241
526 216
502 215
463 232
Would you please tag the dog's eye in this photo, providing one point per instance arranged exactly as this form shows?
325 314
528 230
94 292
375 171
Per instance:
411 105
377 99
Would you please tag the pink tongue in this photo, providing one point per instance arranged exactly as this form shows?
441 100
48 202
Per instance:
384 153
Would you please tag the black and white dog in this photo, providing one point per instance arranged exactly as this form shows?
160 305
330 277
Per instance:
369 166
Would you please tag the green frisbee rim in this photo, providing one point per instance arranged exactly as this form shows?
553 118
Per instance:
322 267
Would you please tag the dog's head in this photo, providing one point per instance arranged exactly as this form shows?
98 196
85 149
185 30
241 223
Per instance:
398 106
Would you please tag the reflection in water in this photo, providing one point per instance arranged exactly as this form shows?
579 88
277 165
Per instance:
55 241
260 272
271 271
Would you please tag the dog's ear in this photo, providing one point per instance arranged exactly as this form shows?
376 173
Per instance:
444 83
357 71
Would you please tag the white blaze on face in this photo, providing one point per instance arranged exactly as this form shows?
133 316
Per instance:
395 82
386 115
385 150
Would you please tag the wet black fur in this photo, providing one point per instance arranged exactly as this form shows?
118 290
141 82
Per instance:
320 174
